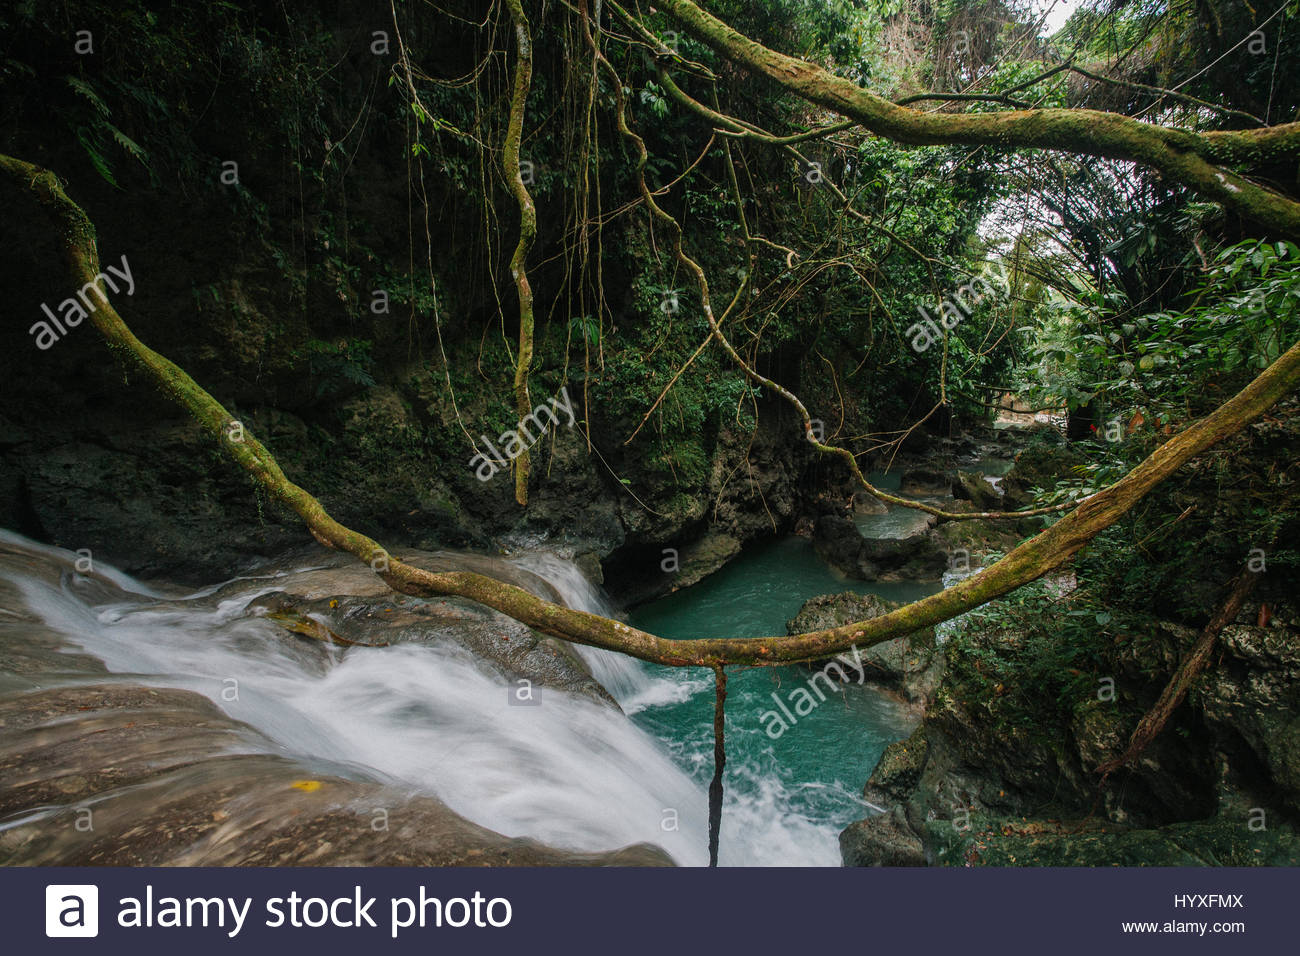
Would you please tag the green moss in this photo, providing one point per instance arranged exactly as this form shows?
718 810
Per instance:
1225 840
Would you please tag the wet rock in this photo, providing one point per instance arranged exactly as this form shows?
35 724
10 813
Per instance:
701 558
171 781
1040 465
839 543
126 507
899 771
1222 840
1251 704
922 480
917 558
351 601
975 488
984 782
96 769
910 665
571 503
963 540
868 504
881 840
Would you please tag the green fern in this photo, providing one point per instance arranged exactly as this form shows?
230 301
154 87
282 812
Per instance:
84 89
94 135
128 144
97 159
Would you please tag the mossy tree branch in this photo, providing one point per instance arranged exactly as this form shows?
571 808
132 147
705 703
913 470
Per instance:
1030 560
1179 155
726 122
513 168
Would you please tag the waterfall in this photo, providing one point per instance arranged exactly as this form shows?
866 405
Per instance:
628 680
570 772
429 717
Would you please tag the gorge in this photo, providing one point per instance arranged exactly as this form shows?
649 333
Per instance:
770 583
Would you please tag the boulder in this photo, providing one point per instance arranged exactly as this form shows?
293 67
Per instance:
975 488
868 504
702 557
918 558
350 601
839 543
924 480
1258 719
899 771
882 840
910 665
1039 466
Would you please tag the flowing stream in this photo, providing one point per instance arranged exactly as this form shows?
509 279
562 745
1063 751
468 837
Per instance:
571 772
809 775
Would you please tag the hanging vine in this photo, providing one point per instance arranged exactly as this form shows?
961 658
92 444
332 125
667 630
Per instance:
512 167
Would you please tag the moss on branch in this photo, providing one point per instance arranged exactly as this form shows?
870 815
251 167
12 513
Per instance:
1027 562
1180 155
513 167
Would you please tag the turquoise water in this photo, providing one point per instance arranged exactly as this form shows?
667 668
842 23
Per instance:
899 522
895 521
812 771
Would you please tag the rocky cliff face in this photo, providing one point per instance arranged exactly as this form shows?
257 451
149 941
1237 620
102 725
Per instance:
1045 685
288 290
982 783
102 465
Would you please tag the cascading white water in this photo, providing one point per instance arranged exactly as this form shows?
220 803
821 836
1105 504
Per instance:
569 772
626 678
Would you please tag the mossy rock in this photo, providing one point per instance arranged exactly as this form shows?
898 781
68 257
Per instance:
1225 840
909 664
899 770
1038 466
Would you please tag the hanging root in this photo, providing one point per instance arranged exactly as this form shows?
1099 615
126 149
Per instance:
510 163
719 760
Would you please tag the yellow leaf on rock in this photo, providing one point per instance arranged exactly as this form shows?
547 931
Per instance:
306 786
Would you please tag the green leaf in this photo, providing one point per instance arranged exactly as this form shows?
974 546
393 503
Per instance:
126 142
96 157
85 90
